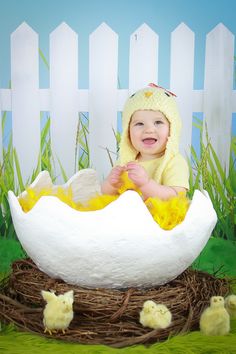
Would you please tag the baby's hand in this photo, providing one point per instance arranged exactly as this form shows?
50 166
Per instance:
114 178
137 174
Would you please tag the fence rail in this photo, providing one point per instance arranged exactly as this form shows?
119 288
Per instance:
64 100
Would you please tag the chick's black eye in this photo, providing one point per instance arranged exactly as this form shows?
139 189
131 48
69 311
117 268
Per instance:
167 94
132 95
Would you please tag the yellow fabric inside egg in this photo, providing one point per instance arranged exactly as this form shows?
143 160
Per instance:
28 201
167 213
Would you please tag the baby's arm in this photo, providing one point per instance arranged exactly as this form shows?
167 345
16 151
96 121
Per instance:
149 187
113 181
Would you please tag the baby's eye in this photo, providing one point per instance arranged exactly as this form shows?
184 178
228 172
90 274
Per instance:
157 122
139 124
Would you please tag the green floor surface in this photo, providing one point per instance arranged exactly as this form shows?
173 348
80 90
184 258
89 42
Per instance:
12 342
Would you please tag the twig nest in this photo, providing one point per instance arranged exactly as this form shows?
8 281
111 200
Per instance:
108 316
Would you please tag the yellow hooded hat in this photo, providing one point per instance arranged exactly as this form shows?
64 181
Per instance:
156 99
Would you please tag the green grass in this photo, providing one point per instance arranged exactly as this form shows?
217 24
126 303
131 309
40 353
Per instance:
206 172
10 250
14 342
218 258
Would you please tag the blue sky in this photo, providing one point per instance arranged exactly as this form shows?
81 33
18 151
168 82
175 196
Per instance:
124 17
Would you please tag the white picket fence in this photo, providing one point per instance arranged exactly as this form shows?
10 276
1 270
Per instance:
103 99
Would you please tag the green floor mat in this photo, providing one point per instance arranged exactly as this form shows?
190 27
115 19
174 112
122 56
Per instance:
10 250
12 342
218 256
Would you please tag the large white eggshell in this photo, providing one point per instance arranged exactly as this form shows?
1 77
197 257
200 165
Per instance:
117 247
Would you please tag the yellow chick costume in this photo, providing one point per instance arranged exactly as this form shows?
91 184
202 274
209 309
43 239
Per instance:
171 169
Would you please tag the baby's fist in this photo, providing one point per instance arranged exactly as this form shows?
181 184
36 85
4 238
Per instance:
137 174
114 177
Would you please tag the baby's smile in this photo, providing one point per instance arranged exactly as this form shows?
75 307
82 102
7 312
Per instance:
149 141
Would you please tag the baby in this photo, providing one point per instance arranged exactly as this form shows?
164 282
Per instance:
149 147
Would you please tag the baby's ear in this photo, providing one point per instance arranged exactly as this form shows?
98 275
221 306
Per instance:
70 295
48 295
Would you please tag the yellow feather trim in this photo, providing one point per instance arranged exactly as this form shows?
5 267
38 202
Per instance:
167 213
98 202
28 201
127 184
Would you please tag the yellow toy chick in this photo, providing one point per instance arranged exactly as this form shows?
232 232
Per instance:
230 305
215 320
58 312
155 316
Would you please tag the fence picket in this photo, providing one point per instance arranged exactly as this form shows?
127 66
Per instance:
181 79
25 98
64 96
143 58
217 103
103 71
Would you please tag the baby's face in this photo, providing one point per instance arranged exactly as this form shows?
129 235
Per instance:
149 132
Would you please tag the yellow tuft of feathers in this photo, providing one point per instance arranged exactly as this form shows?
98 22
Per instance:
97 203
127 184
167 213
28 200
